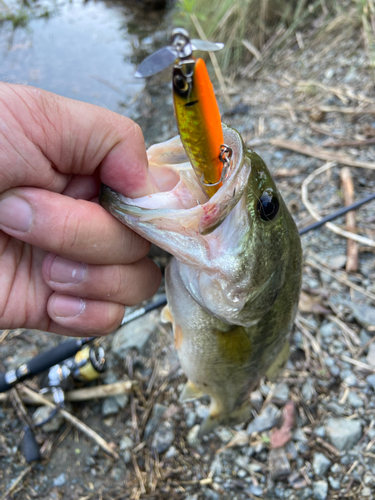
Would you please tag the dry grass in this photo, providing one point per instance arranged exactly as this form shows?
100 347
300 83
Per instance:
255 29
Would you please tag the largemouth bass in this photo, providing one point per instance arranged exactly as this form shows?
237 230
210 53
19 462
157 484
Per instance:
234 282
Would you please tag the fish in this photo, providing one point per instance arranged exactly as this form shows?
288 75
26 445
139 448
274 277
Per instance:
198 121
234 280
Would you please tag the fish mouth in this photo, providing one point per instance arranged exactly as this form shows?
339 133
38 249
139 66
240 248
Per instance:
181 203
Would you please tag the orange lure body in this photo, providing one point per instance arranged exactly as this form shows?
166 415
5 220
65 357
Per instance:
199 121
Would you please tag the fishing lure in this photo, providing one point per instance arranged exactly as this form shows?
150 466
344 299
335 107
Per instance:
196 109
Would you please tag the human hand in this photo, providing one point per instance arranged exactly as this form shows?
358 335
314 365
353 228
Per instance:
66 265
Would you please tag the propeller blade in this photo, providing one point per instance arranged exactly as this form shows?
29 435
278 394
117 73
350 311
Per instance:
206 45
156 62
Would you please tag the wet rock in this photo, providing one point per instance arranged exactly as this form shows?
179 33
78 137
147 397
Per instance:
135 334
343 433
157 414
264 421
164 436
320 464
42 413
320 490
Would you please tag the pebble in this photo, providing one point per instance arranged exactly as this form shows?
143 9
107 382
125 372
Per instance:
320 431
216 466
320 490
190 418
156 416
264 421
343 433
172 452
366 492
134 334
164 436
370 358
59 480
42 413
255 490
371 380
335 408
335 483
110 406
354 399
192 437
224 434
126 443
308 389
320 464
282 392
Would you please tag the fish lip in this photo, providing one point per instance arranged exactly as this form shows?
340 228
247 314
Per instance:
210 214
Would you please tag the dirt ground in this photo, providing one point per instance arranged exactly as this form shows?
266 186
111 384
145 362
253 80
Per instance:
316 95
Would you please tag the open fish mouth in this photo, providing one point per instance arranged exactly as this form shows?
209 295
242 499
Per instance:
181 203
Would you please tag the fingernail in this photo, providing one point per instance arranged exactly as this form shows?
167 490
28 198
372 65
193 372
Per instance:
66 271
64 306
15 213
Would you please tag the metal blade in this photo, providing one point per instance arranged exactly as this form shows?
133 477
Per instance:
156 62
206 45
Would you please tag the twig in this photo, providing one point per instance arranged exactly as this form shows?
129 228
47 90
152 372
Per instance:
4 335
321 153
348 143
337 277
359 364
101 391
314 343
14 485
138 474
363 348
327 109
73 420
317 216
348 331
352 246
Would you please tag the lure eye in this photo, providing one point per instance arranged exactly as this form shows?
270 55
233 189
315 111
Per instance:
180 83
268 205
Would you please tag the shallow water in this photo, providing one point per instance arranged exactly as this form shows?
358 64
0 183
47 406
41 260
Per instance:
84 50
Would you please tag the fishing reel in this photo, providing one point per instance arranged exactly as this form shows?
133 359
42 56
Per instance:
87 365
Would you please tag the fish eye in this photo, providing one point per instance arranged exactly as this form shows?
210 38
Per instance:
268 205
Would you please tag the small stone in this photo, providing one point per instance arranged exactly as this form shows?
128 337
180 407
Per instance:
320 490
117 474
224 434
42 413
216 466
308 389
190 419
343 433
335 408
328 329
282 392
164 436
320 464
366 492
371 380
336 468
126 443
242 461
134 334
264 421
371 355
320 431
335 483
127 456
299 435
256 399
59 480
255 490
157 414
350 380
337 261
354 399
192 437
122 400
172 452
110 406
211 494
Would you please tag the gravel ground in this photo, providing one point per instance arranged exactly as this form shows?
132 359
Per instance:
323 403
